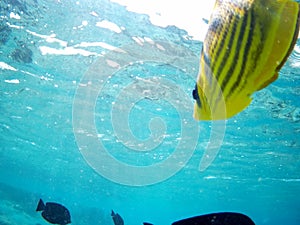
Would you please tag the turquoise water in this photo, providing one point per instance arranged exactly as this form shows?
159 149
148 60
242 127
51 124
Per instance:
60 109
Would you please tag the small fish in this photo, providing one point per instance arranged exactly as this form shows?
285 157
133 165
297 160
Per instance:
223 218
247 43
54 213
117 218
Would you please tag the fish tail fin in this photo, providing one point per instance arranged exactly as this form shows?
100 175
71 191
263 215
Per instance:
272 79
285 31
288 29
40 206
292 14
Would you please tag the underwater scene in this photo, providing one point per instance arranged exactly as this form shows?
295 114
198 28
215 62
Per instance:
103 112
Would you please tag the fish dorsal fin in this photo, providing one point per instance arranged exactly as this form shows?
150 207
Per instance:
112 213
41 206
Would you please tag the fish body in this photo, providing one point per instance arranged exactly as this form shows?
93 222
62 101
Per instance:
226 218
220 218
247 43
54 213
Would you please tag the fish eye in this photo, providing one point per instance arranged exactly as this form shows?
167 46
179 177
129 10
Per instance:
195 93
196 96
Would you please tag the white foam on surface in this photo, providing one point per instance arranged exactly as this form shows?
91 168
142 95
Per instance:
5 66
12 81
109 25
45 50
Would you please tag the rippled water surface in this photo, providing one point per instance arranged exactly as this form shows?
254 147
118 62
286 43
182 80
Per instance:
96 113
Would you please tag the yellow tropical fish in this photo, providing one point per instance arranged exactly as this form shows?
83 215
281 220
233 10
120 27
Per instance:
247 43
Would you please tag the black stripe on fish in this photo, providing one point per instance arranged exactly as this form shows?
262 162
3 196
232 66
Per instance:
237 52
256 55
221 47
215 27
245 56
207 67
220 69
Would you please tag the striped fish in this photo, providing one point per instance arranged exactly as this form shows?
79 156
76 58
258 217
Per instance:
247 43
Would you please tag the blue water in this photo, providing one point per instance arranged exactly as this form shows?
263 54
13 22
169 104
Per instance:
53 129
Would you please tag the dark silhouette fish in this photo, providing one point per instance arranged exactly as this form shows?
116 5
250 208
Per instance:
224 218
117 218
54 213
